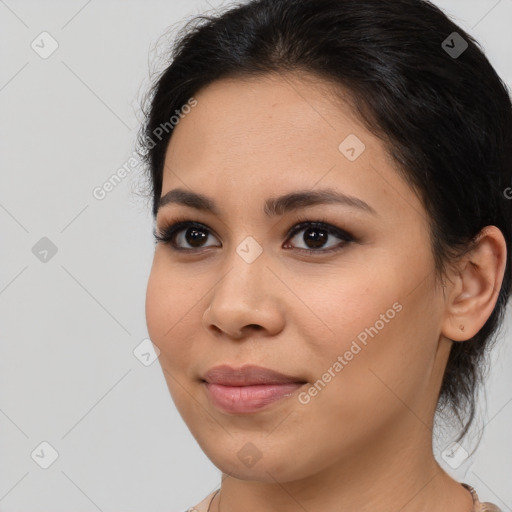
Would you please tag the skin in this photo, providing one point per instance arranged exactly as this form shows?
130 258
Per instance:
365 441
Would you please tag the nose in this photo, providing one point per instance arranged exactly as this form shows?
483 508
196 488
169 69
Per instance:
246 300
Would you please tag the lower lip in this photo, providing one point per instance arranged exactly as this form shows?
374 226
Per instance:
240 399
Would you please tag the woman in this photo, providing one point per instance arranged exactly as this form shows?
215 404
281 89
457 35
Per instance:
333 251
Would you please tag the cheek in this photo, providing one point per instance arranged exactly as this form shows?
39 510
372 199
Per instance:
171 317
382 321
343 301
158 304
171 298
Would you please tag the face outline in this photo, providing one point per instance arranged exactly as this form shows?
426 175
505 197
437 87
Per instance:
247 141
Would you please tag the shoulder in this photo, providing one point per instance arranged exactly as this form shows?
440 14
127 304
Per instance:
202 506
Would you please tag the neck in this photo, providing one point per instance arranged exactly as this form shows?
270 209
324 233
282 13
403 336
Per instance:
401 474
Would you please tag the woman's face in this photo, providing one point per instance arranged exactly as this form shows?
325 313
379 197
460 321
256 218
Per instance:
360 324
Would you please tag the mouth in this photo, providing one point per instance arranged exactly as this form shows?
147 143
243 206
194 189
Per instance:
249 388
248 375
248 399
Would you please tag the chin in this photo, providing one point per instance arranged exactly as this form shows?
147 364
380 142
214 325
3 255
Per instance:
247 458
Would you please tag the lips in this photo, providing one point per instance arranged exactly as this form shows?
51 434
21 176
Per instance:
247 375
248 389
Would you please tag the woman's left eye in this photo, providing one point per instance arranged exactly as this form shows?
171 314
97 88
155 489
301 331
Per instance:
314 238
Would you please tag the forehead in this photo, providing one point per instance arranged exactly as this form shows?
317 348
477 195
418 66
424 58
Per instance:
264 126
288 112
261 137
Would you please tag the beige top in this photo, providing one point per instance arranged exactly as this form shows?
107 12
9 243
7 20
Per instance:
477 505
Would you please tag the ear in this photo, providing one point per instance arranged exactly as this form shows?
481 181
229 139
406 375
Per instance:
475 283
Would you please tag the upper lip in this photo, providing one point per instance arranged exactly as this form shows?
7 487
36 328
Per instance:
246 375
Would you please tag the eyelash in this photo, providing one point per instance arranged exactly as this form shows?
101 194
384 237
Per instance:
170 230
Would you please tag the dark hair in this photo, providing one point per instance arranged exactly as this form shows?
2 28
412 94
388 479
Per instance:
445 117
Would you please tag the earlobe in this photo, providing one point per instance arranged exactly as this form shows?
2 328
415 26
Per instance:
475 286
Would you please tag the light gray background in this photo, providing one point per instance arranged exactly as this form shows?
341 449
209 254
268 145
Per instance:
68 328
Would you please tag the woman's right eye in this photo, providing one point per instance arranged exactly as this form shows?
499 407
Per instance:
182 232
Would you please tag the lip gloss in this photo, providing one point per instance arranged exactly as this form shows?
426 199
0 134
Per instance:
240 399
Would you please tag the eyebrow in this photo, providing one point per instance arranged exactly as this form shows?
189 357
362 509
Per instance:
274 206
